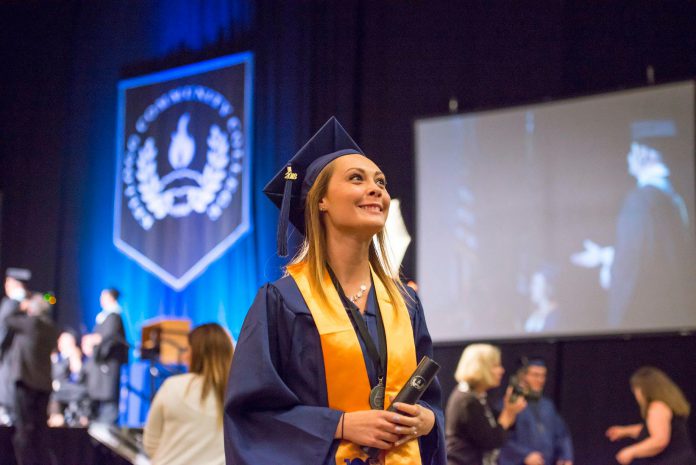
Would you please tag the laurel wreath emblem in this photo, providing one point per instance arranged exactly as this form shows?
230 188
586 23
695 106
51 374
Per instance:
213 187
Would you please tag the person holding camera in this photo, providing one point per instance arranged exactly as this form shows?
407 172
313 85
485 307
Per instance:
540 436
473 432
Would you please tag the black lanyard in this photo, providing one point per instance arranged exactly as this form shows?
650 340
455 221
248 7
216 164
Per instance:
378 357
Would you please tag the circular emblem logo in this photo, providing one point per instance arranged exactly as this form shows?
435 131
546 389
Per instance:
418 382
183 189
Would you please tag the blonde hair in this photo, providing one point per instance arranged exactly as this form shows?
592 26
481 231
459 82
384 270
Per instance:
211 357
476 365
313 249
655 385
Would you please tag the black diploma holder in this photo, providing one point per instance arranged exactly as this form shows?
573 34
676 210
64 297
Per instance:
412 391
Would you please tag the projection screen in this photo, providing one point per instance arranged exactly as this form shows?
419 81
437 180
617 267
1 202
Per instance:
573 217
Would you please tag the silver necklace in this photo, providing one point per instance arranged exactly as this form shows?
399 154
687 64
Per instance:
355 297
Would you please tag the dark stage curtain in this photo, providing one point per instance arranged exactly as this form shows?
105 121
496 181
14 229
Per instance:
377 66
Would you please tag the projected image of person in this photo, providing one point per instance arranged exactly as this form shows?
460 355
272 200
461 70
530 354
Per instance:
540 436
662 438
474 432
544 314
324 348
651 263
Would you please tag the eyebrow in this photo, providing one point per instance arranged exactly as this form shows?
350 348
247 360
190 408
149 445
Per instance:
377 173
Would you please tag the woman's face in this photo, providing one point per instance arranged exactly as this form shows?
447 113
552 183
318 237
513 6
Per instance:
497 371
356 199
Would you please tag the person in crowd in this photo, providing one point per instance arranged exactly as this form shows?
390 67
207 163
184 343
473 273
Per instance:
33 339
540 436
106 350
324 349
662 438
474 432
184 424
69 404
15 293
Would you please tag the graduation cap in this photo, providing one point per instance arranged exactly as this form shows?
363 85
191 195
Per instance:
289 187
533 361
20 274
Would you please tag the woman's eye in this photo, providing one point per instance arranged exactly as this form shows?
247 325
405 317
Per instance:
382 182
355 177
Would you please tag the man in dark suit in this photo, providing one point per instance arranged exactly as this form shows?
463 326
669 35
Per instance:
107 350
33 339
15 292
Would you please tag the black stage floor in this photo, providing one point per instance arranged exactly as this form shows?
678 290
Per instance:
66 446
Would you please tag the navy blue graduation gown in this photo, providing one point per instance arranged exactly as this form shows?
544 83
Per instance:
538 428
276 406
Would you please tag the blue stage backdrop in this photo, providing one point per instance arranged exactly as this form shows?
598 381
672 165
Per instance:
210 262
182 177
183 195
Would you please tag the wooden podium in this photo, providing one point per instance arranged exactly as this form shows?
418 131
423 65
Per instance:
165 339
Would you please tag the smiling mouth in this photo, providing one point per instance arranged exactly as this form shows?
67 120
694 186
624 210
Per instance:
372 208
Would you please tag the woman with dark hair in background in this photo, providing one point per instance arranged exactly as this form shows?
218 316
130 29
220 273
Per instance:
184 425
662 438
474 433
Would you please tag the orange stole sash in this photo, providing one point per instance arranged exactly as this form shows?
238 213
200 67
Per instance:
346 377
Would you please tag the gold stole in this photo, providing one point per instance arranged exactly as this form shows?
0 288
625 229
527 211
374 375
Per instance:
346 377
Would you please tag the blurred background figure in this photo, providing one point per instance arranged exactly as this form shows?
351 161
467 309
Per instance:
662 438
69 404
540 436
106 350
474 433
15 292
184 424
33 338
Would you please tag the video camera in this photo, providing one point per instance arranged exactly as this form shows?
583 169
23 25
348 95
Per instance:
517 389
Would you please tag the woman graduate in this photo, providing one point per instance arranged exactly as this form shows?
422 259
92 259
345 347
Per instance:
324 349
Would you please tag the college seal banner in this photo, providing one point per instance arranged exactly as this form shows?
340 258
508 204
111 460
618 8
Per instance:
184 151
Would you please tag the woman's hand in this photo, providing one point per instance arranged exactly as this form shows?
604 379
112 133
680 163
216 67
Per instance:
384 430
416 421
625 456
373 428
616 432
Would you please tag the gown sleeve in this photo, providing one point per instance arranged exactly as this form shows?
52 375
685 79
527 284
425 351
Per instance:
515 450
265 419
432 445
563 441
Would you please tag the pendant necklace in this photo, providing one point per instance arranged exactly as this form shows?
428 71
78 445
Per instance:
355 297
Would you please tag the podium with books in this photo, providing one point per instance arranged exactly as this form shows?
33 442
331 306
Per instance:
165 340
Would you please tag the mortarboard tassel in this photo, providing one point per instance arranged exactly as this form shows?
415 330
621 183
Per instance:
284 218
